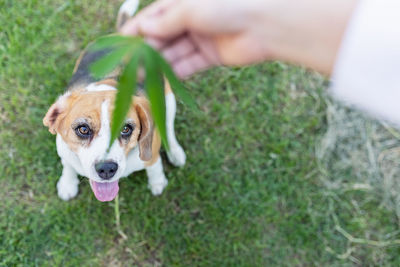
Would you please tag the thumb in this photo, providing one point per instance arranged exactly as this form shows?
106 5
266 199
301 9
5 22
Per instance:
166 24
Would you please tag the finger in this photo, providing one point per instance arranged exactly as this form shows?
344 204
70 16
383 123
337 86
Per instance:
179 49
156 43
190 65
158 7
207 47
168 24
131 27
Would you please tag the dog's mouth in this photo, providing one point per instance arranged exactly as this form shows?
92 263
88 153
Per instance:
104 191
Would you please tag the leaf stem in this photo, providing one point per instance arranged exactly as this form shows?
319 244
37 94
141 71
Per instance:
117 218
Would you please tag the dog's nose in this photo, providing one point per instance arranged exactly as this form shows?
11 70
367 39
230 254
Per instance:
106 169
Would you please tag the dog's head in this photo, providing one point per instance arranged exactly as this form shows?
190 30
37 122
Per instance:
82 120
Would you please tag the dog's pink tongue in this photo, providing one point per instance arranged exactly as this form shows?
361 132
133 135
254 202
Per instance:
105 191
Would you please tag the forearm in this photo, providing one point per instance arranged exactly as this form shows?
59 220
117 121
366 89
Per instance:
307 32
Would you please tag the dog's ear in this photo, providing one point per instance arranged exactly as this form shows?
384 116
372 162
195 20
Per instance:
145 140
53 115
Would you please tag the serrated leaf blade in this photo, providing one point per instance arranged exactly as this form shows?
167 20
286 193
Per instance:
110 61
176 85
123 99
112 41
155 90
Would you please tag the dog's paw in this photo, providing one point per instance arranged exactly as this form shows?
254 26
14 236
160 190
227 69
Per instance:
177 156
158 187
66 190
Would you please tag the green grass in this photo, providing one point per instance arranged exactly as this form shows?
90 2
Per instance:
251 193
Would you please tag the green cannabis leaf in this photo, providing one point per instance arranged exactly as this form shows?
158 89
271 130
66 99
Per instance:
132 53
154 85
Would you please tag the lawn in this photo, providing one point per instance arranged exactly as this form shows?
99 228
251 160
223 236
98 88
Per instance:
264 184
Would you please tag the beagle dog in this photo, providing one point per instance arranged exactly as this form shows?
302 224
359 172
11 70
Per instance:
81 120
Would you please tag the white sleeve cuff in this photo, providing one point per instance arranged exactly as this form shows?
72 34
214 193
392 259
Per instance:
367 69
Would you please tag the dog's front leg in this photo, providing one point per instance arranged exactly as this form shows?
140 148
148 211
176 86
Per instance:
156 176
67 186
176 155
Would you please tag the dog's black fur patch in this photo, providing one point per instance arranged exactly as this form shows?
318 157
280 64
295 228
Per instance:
82 75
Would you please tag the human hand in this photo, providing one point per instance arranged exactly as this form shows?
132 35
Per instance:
195 35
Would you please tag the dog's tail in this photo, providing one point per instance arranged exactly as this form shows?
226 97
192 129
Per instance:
126 11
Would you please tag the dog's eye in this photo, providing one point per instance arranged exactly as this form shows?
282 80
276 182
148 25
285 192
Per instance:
126 131
83 131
